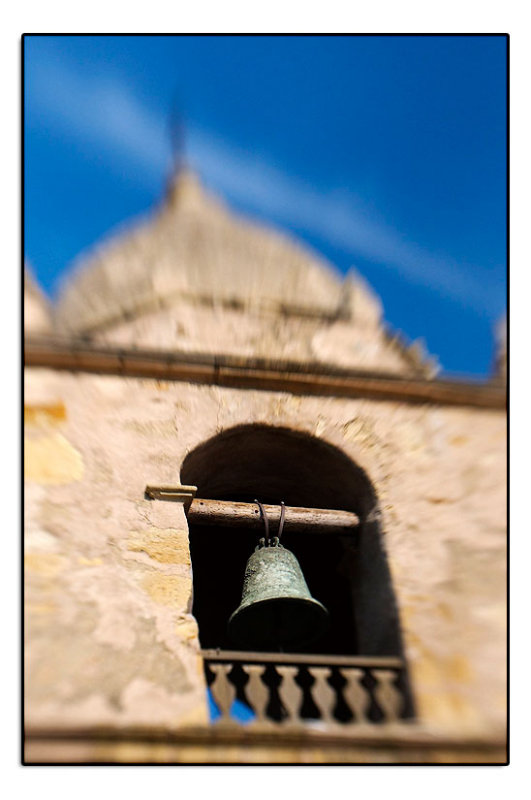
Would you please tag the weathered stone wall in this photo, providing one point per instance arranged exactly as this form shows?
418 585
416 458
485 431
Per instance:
110 637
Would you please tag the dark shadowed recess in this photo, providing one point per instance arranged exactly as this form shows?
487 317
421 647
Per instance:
348 574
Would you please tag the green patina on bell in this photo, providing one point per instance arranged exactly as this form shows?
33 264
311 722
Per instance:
277 609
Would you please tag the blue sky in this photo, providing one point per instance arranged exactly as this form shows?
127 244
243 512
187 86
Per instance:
384 153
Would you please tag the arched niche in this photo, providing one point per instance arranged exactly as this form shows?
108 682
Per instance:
349 574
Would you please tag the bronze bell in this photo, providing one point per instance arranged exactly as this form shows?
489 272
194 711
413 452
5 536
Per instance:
277 609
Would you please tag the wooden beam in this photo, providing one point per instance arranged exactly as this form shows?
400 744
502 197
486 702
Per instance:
247 515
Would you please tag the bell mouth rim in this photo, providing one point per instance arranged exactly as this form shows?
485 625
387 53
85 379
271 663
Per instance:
318 629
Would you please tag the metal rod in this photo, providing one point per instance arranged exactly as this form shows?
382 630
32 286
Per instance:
263 514
282 518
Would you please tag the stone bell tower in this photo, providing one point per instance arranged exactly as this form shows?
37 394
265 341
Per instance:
196 362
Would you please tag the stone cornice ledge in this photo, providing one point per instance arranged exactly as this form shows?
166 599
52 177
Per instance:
304 378
410 733
400 742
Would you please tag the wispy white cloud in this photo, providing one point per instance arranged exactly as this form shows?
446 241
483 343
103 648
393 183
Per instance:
338 217
100 112
103 112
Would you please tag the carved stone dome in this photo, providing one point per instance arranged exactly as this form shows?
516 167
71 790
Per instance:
192 248
37 311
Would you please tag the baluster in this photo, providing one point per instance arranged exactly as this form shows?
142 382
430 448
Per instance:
257 692
290 692
323 695
222 690
356 695
387 695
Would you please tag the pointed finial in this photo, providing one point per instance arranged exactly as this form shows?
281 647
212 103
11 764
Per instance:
185 190
177 133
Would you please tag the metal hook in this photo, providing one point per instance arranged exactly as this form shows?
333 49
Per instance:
282 517
266 520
